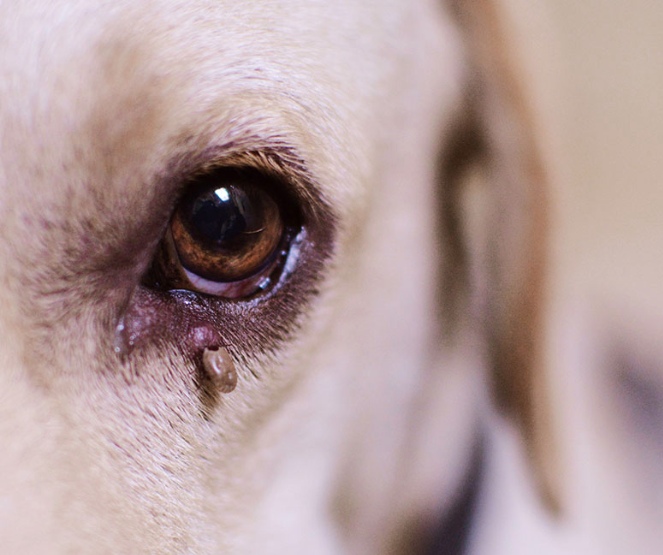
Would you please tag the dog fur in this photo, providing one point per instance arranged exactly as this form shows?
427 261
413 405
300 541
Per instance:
360 391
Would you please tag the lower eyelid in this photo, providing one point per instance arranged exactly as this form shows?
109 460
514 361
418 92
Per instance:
171 315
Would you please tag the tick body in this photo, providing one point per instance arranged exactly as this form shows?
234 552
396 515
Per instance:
220 368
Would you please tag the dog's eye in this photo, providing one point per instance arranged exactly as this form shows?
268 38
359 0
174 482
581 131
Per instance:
227 231
228 236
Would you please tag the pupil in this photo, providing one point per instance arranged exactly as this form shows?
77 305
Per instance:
221 215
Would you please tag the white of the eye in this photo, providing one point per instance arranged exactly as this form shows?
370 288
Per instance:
228 289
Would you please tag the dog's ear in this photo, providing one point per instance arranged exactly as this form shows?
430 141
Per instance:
499 139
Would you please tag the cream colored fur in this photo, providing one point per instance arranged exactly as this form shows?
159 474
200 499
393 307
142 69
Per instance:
361 424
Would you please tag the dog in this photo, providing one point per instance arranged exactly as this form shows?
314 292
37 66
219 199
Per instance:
264 266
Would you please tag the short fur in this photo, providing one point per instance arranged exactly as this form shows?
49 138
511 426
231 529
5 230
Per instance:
352 423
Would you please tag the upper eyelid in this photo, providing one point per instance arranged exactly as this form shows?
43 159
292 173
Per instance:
258 145
282 163
275 157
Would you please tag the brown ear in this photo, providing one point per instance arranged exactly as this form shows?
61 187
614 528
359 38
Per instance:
504 137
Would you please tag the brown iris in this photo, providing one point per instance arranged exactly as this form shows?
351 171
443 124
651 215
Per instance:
227 230
227 237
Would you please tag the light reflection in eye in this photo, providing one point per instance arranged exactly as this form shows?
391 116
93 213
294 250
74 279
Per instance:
223 194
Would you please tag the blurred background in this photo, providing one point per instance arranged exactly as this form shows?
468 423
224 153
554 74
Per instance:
595 69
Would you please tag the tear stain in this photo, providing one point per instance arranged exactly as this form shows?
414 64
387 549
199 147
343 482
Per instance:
220 368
